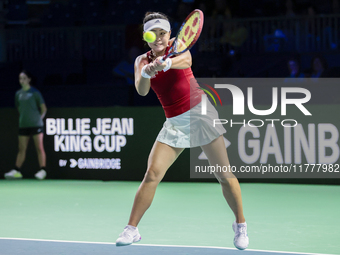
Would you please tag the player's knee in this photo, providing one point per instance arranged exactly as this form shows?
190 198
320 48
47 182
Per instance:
152 175
22 148
40 149
226 180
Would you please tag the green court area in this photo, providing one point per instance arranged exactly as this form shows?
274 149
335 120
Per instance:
280 217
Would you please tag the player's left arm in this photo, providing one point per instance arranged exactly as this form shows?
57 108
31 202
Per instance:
43 110
41 104
181 61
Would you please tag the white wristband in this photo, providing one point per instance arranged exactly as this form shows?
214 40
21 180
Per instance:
168 64
144 74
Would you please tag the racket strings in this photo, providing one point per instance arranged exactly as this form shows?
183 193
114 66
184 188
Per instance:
188 32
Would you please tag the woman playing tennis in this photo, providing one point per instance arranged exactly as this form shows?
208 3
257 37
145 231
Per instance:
172 81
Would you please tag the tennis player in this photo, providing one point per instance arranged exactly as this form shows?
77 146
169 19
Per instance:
32 110
173 83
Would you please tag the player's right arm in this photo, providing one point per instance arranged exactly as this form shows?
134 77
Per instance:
17 100
143 84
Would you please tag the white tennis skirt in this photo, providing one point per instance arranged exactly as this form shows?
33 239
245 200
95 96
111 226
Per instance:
191 129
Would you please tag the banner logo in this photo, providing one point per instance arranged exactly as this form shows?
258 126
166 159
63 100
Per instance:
239 101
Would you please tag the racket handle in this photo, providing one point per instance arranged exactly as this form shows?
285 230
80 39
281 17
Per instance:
168 63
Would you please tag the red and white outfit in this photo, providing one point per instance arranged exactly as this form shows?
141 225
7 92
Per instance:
180 96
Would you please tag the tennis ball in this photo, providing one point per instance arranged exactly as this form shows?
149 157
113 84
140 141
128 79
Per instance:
149 36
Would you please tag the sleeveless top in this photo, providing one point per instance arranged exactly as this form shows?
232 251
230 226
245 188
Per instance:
176 89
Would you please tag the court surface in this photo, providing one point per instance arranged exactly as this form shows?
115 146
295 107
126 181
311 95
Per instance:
85 217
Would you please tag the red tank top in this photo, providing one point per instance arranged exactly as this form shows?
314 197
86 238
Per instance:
176 89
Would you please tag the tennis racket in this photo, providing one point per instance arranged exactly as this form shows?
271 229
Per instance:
187 35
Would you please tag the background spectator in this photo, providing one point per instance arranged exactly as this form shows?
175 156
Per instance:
32 110
294 68
335 7
319 66
290 8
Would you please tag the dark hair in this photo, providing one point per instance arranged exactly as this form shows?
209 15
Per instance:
294 5
313 7
154 15
322 60
28 74
295 58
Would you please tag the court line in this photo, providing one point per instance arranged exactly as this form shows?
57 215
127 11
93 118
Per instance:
227 248
161 245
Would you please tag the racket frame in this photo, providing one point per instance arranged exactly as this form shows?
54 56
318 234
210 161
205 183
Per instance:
173 49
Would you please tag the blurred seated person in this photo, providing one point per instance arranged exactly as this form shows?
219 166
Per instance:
335 7
125 68
182 11
221 16
294 68
311 15
224 28
318 66
295 74
290 8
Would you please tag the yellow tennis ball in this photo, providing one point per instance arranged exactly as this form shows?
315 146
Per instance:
149 36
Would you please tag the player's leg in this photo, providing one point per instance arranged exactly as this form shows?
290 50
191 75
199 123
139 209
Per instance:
217 155
22 147
39 146
160 159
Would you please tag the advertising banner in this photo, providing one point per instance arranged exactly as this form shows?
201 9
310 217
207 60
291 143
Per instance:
110 143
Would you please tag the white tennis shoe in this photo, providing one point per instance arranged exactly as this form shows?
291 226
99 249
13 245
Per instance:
41 175
13 174
128 236
241 240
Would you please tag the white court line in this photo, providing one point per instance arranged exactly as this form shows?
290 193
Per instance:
161 245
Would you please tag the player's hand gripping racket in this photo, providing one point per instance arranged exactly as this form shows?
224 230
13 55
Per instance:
187 35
